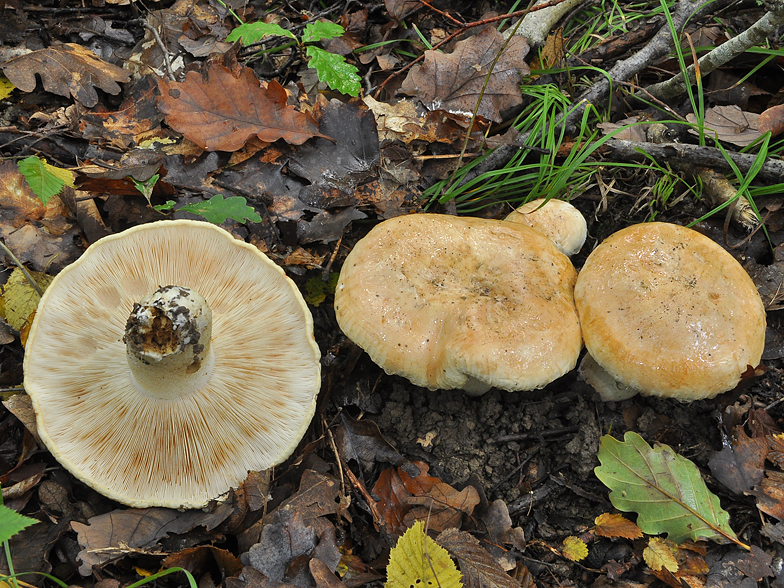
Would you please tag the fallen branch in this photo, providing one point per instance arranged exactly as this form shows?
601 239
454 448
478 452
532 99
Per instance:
754 35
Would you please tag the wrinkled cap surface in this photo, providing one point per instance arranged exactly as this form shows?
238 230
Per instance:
451 302
142 451
668 312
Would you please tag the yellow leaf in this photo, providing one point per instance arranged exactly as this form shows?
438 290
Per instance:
20 298
419 561
659 554
6 88
64 175
615 525
574 549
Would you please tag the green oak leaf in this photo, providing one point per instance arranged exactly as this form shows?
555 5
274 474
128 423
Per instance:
217 209
321 29
665 489
254 32
333 70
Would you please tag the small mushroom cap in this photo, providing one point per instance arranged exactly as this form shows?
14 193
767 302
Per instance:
451 302
668 312
557 219
182 452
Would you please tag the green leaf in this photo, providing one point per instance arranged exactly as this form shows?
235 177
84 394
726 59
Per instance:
665 490
334 71
417 560
317 289
147 186
256 31
321 29
11 523
165 207
217 210
44 180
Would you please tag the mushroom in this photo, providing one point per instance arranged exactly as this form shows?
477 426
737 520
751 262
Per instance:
667 312
457 302
168 396
557 219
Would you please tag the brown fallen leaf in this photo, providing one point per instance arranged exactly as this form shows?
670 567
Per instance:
453 81
616 525
740 467
197 559
478 566
770 494
137 528
222 112
66 70
730 124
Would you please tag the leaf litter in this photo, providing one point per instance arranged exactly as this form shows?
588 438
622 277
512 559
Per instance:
308 164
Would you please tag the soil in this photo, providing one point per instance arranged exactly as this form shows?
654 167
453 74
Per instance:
537 450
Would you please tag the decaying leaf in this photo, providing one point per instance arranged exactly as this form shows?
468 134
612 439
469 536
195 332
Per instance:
770 494
740 466
574 549
478 567
110 535
665 489
20 298
615 525
222 112
730 124
67 70
772 120
453 81
417 560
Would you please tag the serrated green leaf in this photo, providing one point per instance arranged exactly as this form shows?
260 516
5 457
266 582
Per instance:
254 32
333 70
217 209
417 560
11 523
45 180
665 489
321 29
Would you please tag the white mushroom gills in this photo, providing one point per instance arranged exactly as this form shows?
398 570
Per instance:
167 339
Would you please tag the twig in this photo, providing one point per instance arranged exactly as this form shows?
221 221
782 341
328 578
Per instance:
165 51
754 35
442 13
18 263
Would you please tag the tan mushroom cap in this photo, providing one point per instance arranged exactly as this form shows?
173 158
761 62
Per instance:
668 312
183 451
451 302
557 219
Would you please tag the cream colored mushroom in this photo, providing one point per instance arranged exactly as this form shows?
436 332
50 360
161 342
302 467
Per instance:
457 302
168 396
667 312
557 219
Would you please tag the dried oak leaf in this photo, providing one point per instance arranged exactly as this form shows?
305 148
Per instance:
66 70
454 81
479 568
730 124
741 466
222 112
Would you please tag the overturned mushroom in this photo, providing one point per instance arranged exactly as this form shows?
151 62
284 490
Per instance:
451 302
168 396
665 311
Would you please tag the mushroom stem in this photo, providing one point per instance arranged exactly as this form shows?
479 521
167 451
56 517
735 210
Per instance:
167 338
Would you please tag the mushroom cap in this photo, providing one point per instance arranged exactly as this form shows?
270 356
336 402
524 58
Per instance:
458 302
557 219
668 312
141 451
